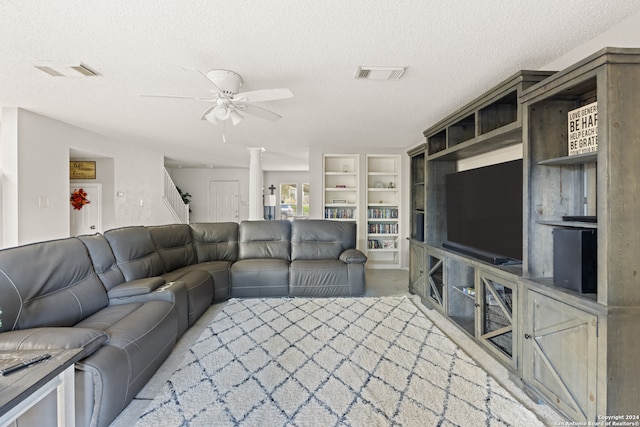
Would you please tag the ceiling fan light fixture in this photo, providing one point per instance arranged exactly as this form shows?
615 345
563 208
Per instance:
211 117
235 117
226 102
227 81
221 112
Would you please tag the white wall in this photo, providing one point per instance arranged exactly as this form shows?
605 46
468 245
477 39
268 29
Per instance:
195 181
625 34
9 160
35 157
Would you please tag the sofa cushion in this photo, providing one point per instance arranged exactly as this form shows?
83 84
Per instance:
104 262
135 252
200 287
319 278
174 244
215 241
353 256
54 339
321 239
265 239
136 287
141 337
49 283
260 278
219 271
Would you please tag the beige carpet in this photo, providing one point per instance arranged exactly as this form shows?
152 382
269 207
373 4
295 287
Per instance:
330 362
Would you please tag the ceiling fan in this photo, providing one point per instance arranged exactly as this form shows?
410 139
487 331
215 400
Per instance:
227 103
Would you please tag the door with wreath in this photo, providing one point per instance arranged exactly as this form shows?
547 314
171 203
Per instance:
85 205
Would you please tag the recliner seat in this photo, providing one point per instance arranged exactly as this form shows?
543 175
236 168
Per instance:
125 296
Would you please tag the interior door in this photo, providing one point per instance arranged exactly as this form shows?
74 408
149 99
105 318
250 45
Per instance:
87 220
223 201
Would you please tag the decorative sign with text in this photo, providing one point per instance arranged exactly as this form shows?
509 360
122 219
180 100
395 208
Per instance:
583 129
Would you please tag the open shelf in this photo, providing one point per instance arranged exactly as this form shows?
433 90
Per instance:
340 182
383 210
499 113
572 224
490 122
571 160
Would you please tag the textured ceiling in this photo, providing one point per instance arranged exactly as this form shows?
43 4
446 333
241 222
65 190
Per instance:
454 51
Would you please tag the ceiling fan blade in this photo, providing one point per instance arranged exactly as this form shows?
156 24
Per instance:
263 95
254 110
150 95
205 76
194 98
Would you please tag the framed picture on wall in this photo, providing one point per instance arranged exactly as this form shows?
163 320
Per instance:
82 170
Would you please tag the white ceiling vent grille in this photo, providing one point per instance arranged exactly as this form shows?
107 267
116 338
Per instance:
379 73
74 70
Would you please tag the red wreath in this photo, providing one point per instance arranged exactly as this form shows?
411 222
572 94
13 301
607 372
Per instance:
79 198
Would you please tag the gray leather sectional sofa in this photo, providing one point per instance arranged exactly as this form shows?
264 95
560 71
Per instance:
127 295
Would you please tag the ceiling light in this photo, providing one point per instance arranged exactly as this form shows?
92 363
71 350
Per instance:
211 116
221 112
235 117
379 72
66 70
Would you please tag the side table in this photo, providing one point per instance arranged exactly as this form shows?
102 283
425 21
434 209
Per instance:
21 390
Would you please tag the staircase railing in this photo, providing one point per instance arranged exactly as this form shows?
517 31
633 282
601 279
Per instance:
173 200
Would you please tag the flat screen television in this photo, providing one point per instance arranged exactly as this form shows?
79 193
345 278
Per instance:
484 212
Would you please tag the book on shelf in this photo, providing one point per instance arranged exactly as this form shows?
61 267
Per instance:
382 213
378 228
380 244
341 213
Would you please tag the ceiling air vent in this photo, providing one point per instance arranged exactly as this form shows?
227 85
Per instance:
74 70
379 73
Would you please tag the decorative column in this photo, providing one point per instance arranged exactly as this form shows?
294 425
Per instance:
256 211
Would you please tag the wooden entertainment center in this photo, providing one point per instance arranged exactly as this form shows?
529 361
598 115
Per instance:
577 351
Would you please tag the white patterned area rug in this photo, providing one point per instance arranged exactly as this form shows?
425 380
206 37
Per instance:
330 362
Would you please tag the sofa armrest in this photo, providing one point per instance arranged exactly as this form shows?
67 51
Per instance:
54 338
353 256
136 287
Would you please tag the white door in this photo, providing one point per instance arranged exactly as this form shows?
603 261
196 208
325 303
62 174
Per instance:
88 219
223 201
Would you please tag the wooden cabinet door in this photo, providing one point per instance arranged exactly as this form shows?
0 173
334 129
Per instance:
434 281
416 269
497 329
560 355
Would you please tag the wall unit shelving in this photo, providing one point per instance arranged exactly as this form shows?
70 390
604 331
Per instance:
417 260
340 183
490 122
578 351
601 327
383 211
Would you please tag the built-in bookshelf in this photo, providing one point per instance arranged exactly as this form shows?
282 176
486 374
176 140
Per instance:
383 211
340 176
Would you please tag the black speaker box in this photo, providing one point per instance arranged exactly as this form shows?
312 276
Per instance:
420 227
575 259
